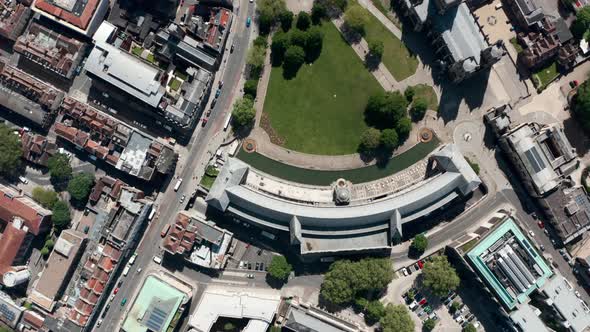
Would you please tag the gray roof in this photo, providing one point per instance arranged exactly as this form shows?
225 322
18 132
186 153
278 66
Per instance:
530 10
350 223
567 303
526 318
461 33
300 320
122 69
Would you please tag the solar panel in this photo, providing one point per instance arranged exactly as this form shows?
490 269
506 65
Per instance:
6 312
156 319
535 160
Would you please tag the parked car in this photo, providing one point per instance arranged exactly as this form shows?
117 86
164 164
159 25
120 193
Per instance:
531 233
423 302
248 22
123 302
250 276
540 223
404 272
23 179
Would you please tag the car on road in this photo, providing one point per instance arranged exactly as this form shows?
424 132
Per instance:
123 302
116 290
577 294
132 259
250 276
541 224
531 233
126 270
182 198
542 247
157 259
139 270
204 122
99 322
23 179
248 22
231 49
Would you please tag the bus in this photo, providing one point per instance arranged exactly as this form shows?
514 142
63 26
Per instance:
268 235
152 214
227 121
177 185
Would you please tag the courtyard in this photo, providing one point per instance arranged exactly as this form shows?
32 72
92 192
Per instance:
320 111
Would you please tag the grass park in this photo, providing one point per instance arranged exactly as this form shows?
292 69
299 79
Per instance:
320 111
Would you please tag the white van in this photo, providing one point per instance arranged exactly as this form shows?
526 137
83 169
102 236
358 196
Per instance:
126 271
158 259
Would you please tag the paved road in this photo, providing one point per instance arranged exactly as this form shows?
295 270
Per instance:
191 164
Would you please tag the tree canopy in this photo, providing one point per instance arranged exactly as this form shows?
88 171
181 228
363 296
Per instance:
582 23
389 139
46 197
375 310
419 108
396 319
356 18
581 104
376 48
318 13
269 12
61 215
80 186
303 21
294 59
10 151
440 276
314 40
251 88
469 327
278 47
286 19
346 279
255 60
420 243
243 113
385 109
429 324
59 168
403 128
279 268
370 140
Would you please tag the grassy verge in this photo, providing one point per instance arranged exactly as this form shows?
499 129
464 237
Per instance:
516 45
320 111
427 92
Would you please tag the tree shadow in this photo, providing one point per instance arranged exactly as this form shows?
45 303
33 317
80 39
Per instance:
575 134
349 35
372 61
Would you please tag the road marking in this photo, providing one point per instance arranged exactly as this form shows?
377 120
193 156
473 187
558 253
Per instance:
234 274
231 282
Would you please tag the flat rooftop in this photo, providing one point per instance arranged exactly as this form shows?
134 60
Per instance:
154 307
78 13
258 304
577 314
509 264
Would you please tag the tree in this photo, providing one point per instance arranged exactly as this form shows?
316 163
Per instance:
318 13
255 60
346 280
279 268
243 113
337 4
45 197
44 252
278 47
260 41
385 109
389 139
420 243
294 58
581 104
298 37
313 44
376 49
403 128
429 324
303 21
469 327
396 319
61 215
356 18
370 140
375 310
286 19
80 186
269 12
360 303
250 88
419 108
409 93
10 151
440 276
229 326
454 307
59 168
582 23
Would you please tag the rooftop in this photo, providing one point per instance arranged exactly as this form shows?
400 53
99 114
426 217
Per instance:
569 209
13 19
509 264
59 264
305 318
250 303
76 13
154 307
575 312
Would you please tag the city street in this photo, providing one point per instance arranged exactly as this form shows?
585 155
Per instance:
189 168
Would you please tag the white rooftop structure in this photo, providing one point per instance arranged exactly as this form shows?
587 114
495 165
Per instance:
317 222
256 304
122 69
561 295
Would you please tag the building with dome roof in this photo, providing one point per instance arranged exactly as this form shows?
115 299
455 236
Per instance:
343 218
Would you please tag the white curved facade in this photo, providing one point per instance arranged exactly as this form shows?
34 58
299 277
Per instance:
318 224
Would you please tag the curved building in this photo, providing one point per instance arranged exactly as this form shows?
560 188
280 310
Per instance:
344 217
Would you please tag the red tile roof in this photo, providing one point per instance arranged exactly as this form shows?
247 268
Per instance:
33 319
12 204
10 243
81 21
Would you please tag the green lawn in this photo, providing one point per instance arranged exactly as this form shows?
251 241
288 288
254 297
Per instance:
150 57
137 50
396 57
180 74
320 111
427 92
516 45
545 75
174 84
